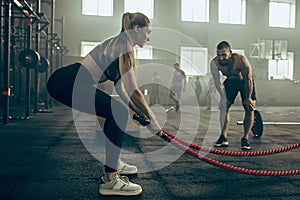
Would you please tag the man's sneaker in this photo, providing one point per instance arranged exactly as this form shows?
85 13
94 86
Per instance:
126 169
245 144
121 186
222 141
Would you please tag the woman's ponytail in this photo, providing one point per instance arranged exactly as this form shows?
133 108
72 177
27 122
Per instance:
129 20
126 21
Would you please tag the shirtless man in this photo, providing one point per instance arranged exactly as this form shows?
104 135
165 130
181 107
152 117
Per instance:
238 72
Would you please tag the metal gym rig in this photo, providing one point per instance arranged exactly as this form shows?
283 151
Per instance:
30 51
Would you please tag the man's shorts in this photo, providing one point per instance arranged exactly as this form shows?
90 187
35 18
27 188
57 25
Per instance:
233 86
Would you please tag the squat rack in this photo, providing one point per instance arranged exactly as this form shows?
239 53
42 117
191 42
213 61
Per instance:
32 35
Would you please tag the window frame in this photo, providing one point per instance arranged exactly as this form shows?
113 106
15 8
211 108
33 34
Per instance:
187 66
84 44
278 64
138 8
140 56
291 15
98 12
242 18
204 18
239 51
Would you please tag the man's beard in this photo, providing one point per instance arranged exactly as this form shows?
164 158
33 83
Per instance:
224 63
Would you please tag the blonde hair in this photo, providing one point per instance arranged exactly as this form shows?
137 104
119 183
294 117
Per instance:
120 45
129 20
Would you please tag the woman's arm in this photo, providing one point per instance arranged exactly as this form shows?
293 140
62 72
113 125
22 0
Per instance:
127 97
119 86
129 91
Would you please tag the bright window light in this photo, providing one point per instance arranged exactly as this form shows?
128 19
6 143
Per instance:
194 60
281 69
86 47
232 11
239 51
97 7
282 13
144 53
140 53
143 6
195 10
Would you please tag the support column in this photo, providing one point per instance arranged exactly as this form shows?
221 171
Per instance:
37 48
6 64
28 75
52 68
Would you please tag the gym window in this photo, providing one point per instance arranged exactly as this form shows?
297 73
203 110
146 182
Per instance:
195 10
194 60
239 51
232 12
282 13
86 47
143 53
97 7
139 53
281 69
143 6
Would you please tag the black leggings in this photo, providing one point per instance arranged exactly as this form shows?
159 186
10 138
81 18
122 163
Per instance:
73 86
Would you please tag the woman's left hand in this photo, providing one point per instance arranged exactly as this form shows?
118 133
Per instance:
155 127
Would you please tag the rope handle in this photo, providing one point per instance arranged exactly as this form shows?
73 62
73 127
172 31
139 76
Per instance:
142 120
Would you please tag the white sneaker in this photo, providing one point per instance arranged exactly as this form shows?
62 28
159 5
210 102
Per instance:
120 185
126 169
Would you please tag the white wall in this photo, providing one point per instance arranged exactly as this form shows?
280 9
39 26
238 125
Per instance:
167 15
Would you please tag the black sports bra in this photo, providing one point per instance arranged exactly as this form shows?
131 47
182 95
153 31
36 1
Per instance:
109 68
112 72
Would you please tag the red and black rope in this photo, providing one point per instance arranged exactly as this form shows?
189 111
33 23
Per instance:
184 145
232 153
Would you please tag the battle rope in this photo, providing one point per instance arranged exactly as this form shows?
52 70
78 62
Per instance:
184 145
233 153
166 136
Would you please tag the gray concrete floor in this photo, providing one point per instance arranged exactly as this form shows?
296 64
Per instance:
44 158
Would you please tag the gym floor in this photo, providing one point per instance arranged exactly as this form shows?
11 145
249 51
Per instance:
44 158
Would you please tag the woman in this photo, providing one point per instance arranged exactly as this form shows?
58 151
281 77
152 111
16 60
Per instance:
111 60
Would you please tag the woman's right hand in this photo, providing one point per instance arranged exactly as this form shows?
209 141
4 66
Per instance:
154 127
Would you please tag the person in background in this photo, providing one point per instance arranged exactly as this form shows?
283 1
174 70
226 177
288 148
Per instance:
178 85
156 81
198 89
